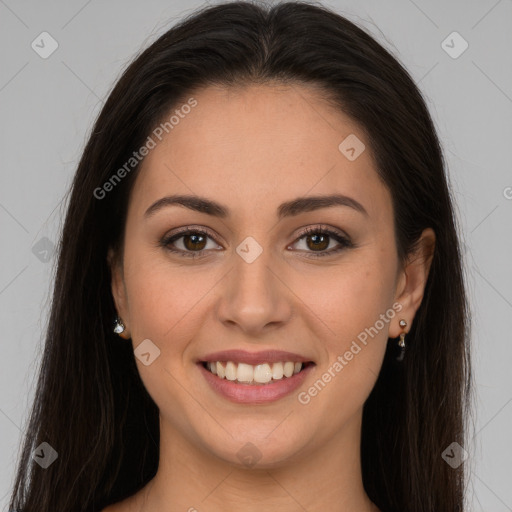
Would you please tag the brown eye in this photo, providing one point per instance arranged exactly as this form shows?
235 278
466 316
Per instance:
317 240
193 243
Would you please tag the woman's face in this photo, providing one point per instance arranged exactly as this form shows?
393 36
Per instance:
259 283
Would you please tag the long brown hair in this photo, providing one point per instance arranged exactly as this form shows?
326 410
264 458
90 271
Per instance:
90 404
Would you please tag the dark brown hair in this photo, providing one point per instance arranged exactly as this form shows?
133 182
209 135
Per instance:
90 403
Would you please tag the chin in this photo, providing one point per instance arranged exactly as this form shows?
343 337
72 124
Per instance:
251 450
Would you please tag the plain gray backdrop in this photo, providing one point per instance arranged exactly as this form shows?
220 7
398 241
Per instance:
48 106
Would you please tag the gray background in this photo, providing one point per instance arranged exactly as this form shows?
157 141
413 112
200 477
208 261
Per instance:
48 105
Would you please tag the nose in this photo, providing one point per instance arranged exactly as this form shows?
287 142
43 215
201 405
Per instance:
255 297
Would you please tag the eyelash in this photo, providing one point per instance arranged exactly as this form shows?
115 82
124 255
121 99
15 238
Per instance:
342 240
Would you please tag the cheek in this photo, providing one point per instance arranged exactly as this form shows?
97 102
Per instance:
354 310
160 296
164 307
348 299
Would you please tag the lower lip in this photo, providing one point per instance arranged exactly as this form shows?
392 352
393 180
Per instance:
255 394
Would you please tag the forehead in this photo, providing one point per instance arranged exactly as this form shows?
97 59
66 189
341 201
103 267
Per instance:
256 145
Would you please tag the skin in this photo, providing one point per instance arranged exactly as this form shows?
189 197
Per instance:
251 148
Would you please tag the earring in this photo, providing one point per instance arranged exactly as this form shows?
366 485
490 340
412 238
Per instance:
118 326
401 343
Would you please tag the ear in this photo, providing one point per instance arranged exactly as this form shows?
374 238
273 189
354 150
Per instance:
119 290
412 281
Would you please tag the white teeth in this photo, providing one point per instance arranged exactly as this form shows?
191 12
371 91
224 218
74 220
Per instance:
258 374
288 369
277 371
230 370
244 373
262 373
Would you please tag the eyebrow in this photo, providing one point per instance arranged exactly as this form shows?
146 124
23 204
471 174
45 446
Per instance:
287 209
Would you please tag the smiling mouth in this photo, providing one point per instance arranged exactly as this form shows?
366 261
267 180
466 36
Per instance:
255 375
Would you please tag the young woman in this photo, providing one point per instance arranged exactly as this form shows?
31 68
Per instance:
259 301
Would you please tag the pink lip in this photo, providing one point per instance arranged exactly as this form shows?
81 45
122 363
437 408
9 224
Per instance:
254 394
265 356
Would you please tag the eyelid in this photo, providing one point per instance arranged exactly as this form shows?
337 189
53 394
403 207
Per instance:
191 228
321 228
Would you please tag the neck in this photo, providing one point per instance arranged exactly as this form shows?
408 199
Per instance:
191 479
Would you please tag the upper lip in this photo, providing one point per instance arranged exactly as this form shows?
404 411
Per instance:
253 358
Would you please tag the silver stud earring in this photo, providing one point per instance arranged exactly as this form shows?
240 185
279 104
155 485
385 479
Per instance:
118 326
401 343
